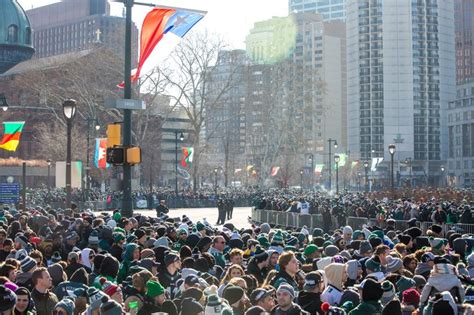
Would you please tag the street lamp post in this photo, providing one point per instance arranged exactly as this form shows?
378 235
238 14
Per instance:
215 179
97 127
69 111
330 141
301 179
366 168
311 160
181 138
336 160
443 181
49 178
391 150
358 180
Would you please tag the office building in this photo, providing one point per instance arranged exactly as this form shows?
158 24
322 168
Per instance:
74 25
329 9
401 76
464 27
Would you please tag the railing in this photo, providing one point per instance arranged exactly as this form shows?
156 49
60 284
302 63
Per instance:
296 220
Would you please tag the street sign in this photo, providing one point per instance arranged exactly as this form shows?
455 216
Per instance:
125 104
9 193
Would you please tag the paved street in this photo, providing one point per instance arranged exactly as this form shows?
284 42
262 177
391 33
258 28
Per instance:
239 218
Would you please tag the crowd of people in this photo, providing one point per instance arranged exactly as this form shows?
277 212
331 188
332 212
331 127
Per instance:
66 262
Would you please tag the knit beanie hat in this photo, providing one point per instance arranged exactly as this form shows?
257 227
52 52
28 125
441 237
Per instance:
364 248
66 304
278 238
216 306
437 243
265 228
162 241
200 226
108 287
404 283
331 251
373 265
317 232
286 288
22 239
411 297
56 257
394 264
356 234
388 292
110 307
190 306
139 233
170 258
263 240
118 237
7 299
233 294
347 230
94 237
371 290
419 280
332 310
154 288
27 264
147 253
95 297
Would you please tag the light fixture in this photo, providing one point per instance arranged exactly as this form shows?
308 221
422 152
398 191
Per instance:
335 144
391 149
69 109
49 162
3 102
301 172
181 137
216 170
97 125
442 168
366 164
337 158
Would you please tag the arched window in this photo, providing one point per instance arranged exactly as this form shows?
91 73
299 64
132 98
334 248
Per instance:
12 33
28 36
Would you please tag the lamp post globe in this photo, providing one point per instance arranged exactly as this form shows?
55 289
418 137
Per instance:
69 109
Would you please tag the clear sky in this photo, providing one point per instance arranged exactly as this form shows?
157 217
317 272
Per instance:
231 18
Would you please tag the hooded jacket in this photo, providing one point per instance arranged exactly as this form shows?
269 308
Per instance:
443 278
85 258
333 292
127 259
352 271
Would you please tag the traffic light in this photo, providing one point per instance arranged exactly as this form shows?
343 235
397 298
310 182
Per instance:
116 156
113 135
134 155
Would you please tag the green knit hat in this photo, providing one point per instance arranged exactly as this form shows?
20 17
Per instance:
317 232
404 283
379 234
356 234
117 216
263 240
154 288
373 265
118 237
119 230
200 226
310 249
278 238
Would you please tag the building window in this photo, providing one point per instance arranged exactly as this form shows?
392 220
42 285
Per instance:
28 36
12 34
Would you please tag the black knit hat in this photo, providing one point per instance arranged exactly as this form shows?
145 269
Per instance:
170 258
190 306
7 299
233 294
139 233
436 228
371 290
405 239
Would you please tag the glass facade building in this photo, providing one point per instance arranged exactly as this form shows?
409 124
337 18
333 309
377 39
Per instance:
329 9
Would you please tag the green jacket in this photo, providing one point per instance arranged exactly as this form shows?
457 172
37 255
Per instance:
368 307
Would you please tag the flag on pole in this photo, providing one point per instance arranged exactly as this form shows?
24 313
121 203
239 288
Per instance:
11 135
275 170
375 163
188 154
162 29
318 168
100 156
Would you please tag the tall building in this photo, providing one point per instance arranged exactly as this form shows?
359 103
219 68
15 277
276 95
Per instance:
73 25
464 26
401 76
460 168
316 83
330 9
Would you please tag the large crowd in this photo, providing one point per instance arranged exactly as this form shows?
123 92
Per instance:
66 262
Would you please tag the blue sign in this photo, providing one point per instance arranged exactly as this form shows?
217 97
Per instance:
9 193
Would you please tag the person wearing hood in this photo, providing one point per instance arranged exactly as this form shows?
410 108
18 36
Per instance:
78 280
371 294
310 298
24 304
460 247
443 277
336 275
131 253
425 266
109 269
87 258
354 272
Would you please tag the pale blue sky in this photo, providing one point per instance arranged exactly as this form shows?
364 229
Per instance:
231 18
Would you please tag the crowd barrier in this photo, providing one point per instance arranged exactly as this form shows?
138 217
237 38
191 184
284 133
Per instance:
172 203
311 221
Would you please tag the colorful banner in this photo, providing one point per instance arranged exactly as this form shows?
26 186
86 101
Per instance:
188 153
11 135
342 160
318 168
100 156
375 163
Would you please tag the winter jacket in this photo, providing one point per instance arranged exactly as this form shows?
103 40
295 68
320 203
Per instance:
442 278
367 307
310 302
283 277
218 256
332 295
294 310
24 280
44 302
67 288
127 260
252 269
